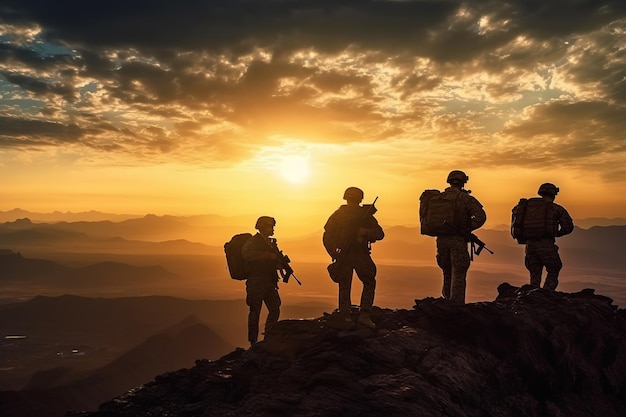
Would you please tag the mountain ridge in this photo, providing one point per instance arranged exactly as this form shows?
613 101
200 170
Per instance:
14 268
531 352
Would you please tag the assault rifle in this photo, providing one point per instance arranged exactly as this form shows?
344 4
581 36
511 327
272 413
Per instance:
477 245
334 267
285 270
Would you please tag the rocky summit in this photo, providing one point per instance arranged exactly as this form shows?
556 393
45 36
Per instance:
530 352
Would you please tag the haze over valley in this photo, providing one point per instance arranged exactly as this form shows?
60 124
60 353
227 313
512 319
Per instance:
98 303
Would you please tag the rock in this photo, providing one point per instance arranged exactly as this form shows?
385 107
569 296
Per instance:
531 352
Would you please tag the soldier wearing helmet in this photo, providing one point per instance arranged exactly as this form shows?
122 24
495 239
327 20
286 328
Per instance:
548 189
260 252
353 194
457 176
541 250
348 235
452 247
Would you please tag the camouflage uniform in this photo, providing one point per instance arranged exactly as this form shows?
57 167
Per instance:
452 255
344 221
543 252
261 285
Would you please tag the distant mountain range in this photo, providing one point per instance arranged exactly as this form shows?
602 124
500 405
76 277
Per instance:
57 216
102 326
596 247
200 228
96 216
103 237
76 352
16 269
210 229
52 392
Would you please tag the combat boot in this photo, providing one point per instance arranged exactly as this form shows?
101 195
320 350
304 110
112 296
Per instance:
340 321
364 319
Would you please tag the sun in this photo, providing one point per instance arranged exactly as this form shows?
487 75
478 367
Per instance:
294 168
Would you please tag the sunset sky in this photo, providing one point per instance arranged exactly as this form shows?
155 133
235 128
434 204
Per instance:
275 107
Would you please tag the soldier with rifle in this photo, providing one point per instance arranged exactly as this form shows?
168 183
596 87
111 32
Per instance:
348 235
286 271
264 260
451 216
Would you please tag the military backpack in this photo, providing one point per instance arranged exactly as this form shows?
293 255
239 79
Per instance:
437 213
533 218
237 266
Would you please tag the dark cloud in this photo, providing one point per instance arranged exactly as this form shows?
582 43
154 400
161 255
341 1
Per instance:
33 59
39 87
162 76
327 25
230 25
15 131
586 121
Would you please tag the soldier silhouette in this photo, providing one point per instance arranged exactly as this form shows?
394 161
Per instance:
537 222
451 216
262 282
347 237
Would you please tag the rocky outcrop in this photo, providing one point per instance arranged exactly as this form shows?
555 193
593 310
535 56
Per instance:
530 352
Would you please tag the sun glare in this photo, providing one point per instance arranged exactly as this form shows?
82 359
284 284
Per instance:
294 168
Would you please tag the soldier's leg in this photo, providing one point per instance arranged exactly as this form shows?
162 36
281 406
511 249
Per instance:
533 263
443 260
460 260
366 271
345 288
272 302
553 264
254 302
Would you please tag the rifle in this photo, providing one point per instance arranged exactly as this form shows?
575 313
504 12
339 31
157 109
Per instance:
473 239
285 270
334 266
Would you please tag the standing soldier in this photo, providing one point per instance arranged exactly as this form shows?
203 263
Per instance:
347 237
537 222
260 252
451 216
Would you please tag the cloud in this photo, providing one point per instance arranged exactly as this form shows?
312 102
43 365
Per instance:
211 80
31 132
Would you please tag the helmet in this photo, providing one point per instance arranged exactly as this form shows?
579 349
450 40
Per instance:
264 220
353 193
457 176
548 188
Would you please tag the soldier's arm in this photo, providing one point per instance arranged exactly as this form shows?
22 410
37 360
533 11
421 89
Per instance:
566 224
478 217
374 231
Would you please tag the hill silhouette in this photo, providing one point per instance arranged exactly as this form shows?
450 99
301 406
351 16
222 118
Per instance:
54 392
596 247
147 228
104 329
57 216
14 268
104 237
530 352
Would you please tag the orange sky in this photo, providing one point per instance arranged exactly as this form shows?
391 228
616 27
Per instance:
207 117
